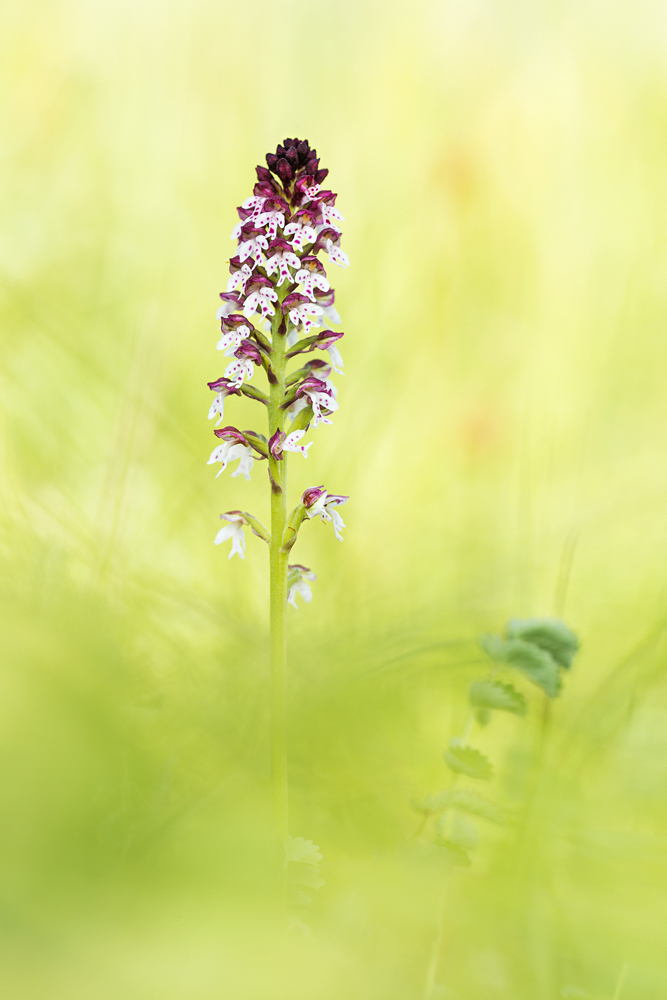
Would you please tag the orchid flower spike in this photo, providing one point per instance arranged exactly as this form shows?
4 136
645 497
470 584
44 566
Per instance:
279 304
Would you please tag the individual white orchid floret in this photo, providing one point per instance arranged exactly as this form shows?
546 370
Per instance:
227 452
233 530
226 309
321 396
272 220
330 216
230 341
336 358
298 578
253 204
254 248
256 203
302 234
290 443
309 281
337 255
238 370
217 408
239 279
305 315
330 317
260 301
320 503
282 262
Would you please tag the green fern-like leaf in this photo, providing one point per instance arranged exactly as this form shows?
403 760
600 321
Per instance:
538 665
483 716
466 800
550 634
497 695
308 875
493 645
469 761
301 859
298 849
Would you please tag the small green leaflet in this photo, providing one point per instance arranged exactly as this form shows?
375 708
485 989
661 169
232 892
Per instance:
550 634
495 694
301 858
483 716
306 875
469 761
466 800
298 849
538 665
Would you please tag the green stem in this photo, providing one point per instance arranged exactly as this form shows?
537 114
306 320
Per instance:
620 981
278 591
434 958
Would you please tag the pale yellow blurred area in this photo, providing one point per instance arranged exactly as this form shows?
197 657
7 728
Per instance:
502 434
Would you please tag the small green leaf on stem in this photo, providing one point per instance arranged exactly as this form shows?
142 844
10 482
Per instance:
497 695
469 761
299 849
550 634
538 665
465 800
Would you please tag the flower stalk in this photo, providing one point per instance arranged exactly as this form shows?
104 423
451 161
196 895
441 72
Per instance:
277 299
278 591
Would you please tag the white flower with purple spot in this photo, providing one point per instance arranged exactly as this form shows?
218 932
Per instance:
272 220
261 301
319 503
305 315
228 452
309 281
239 279
230 341
321 395
302 234
282 262
337 255
331 215
253 247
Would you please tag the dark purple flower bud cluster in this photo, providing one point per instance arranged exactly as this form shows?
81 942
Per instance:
292 157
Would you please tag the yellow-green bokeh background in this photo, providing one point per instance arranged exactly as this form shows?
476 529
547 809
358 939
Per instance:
503 436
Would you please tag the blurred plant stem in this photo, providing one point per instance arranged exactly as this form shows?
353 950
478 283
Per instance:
434 959
620 981
278 583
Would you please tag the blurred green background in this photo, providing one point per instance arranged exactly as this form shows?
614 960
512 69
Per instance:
502 434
